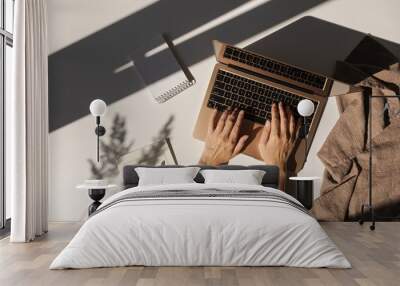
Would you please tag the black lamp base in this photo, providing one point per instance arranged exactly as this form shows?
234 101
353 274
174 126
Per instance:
305 193
100 130
361 220
96 195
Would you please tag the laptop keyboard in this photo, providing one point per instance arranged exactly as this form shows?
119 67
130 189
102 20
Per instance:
255 98
275 67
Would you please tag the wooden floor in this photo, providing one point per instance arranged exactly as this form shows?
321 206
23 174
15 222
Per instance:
375 257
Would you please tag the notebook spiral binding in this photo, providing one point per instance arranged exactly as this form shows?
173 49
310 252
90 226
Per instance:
174 91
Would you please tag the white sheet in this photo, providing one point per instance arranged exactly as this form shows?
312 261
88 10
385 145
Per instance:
225 232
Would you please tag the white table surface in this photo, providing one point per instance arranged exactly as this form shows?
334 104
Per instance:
304 178
91 187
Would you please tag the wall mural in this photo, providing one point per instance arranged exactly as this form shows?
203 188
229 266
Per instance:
82 71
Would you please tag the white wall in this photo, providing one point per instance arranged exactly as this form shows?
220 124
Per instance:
71 145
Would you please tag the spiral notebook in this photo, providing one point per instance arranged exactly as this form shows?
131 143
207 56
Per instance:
160 69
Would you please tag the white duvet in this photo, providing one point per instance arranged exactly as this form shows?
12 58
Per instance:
199 231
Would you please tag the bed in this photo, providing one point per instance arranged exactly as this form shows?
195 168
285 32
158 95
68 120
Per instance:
199 224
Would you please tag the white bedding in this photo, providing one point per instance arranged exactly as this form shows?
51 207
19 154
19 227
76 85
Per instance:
200 231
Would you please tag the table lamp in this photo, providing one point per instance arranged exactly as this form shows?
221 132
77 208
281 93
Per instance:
305 108
97 109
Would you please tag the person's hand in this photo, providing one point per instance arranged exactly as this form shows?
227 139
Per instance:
223 141
278 139
278 136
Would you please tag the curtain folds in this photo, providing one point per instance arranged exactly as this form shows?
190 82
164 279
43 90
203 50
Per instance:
28 123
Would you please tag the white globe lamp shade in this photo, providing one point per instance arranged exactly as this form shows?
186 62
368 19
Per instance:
97 107
305 107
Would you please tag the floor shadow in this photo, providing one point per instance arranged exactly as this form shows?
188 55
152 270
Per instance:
83 71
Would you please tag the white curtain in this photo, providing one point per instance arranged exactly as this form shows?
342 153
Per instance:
27 123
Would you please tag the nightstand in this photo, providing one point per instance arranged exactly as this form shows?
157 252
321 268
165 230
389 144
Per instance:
96 193
304 190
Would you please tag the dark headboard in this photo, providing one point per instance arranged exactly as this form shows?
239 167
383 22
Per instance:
271 177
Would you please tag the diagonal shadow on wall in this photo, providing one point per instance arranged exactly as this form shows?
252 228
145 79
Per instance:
314 44
83 71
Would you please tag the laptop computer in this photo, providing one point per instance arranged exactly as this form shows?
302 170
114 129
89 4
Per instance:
253 82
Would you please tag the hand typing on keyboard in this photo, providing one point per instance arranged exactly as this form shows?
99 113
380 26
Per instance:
278 139
276 143
223 141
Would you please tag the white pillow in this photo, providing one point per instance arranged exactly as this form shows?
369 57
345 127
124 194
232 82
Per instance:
248 177
163 176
